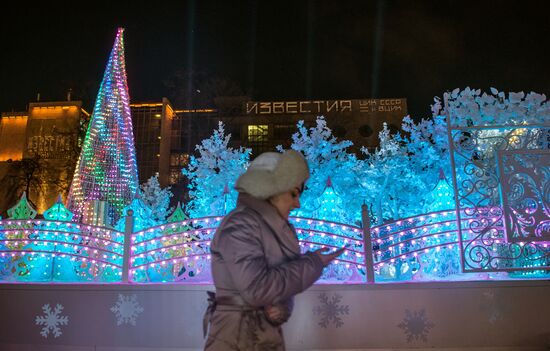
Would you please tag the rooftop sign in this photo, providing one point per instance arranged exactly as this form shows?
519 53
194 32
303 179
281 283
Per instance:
322 107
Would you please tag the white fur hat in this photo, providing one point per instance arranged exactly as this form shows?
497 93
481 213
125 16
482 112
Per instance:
273 173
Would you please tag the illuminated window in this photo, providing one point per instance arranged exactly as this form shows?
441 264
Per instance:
258 138
257 133
179 160
175 176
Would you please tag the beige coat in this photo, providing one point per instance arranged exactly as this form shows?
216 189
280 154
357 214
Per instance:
256 259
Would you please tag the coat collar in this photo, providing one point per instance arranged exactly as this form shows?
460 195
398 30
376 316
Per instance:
278 225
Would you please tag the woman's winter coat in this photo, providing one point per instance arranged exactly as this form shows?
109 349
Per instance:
256 262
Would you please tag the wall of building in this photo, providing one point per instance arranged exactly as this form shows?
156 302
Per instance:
43 146
168 114
52 130
12 135
263 125
146 122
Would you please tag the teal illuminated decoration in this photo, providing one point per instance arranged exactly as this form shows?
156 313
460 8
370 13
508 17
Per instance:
22 210
4 259
15 234
106 170
157 198
175 239
58 212
443 260
442 196
329 204
440 262
53 249
177 232
327 157
182 224
328 230
227 206
143 218
177 216
216 165
143 215
416 233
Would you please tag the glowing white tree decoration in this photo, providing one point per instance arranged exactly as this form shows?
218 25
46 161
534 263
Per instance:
216 168
327 157
157 198
392 184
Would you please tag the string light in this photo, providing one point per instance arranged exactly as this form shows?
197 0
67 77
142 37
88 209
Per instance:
105 178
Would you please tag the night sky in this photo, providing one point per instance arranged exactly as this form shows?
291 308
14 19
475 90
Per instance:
278 50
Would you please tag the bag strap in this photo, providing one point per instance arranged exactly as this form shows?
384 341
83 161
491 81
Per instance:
207 318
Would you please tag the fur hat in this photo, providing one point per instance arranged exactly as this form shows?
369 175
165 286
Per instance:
273 173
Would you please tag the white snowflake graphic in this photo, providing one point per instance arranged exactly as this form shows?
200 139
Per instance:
126 309
330 311
51 320
416 325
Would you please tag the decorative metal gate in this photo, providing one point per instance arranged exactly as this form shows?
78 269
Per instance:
501 176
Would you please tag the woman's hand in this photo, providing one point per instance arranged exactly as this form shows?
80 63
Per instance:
277 314
329 257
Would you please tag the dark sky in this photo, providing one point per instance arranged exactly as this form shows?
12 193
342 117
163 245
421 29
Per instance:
278 50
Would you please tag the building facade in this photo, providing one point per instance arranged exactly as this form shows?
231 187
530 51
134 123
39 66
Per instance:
151 123
38 151
49 134
165 137
264 125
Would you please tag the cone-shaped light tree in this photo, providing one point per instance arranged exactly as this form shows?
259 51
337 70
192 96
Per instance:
442 196
106 170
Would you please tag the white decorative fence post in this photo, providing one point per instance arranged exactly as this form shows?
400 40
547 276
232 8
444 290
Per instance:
128 230
367 244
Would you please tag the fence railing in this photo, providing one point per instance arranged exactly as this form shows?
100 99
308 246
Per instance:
419 248
41 250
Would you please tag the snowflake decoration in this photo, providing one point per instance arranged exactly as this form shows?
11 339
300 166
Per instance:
51 320
330 310
126 309
416 325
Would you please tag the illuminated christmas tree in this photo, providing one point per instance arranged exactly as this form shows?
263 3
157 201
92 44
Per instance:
106 171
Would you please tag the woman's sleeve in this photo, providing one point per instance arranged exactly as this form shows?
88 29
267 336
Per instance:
259 284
